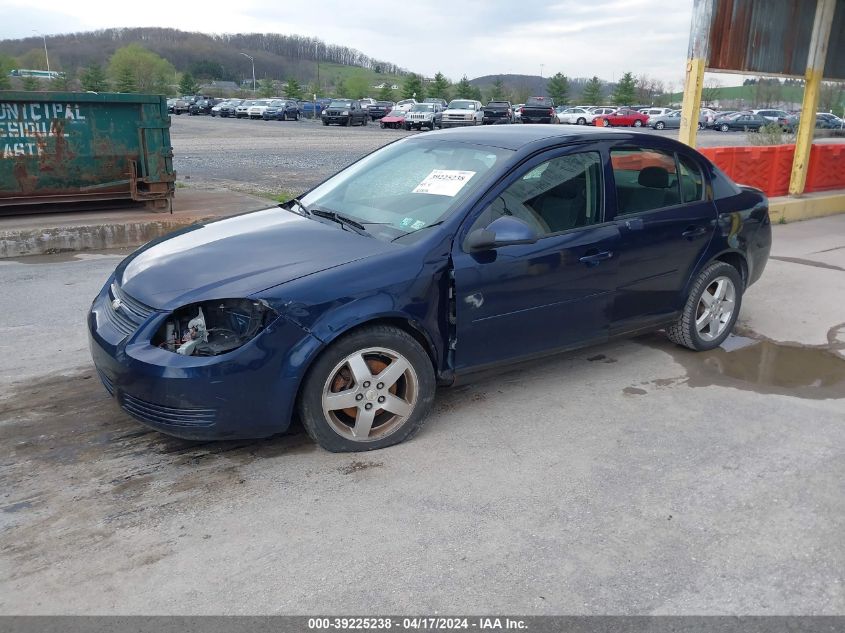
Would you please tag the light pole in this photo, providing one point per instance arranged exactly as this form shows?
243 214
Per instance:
47 57
541 70
252 59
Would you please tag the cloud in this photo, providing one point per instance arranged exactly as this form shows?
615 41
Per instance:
473 37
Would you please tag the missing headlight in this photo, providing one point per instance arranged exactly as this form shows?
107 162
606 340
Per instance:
213 327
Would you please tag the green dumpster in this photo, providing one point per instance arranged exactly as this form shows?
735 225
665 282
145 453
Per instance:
75 147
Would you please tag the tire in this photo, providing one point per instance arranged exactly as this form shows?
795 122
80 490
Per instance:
724 127
700 125
407 127
326 123
637 123
659 125
581 121
348 122
381 125
369 353
705 323
364 121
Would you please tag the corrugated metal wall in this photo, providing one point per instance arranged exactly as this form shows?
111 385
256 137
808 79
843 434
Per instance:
772 37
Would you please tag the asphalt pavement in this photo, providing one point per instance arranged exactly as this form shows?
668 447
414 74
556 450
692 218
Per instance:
630 478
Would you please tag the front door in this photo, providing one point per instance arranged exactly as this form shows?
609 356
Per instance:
527 299
666 221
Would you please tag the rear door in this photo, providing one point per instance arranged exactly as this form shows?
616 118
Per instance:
666 219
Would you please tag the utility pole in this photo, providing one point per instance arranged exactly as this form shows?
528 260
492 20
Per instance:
252 59
46 57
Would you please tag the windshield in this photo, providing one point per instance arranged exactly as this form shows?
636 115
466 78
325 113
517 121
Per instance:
407 185
340 104
384 103
462 105
423 107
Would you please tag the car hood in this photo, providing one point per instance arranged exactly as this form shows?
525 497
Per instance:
237 257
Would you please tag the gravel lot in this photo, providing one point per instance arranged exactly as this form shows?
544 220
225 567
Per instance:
271 157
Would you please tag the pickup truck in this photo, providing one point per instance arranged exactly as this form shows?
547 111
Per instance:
538 110
497 112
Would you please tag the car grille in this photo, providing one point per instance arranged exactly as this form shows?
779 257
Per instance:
107 382
129 313
456 117
159 415
419 117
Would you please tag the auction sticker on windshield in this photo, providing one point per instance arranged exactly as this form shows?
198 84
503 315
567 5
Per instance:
444 182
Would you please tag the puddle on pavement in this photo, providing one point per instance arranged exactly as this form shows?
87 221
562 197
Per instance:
762 366
62 257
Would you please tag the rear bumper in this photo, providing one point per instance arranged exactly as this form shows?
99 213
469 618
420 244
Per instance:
247 393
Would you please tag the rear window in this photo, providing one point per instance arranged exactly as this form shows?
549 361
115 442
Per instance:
539 101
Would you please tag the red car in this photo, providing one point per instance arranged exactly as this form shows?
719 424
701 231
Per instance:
623 117
394 119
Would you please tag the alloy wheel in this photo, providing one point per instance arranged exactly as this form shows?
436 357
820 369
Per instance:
715 308
370 394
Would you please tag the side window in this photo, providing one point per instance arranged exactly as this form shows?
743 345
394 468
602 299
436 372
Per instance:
560 194
646 179
692 182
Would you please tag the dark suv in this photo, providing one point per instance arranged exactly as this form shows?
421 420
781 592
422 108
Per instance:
281 110
345 112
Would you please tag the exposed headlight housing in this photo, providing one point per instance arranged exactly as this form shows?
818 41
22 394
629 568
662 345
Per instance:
212 328
344 113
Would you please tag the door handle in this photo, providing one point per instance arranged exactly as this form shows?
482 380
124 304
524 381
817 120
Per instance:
693 232
595 258
634 224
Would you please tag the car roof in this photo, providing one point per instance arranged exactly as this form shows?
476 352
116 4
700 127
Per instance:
515 137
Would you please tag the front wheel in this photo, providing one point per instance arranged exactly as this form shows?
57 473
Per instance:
364 121
724 127
711 309
371 389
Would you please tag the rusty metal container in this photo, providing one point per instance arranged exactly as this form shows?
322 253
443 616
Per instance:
76 147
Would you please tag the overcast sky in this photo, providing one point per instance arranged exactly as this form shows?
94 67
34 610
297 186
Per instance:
474 37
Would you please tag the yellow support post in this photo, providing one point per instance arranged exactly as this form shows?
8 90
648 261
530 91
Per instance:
813 81
691 106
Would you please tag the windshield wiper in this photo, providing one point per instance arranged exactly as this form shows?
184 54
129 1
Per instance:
297 202
341 219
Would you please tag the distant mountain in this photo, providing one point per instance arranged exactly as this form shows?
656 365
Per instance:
276 56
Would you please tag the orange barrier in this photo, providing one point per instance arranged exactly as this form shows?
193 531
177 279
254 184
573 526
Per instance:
769 167
827 168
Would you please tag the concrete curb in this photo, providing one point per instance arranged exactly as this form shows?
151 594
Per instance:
807 207
58 232
80 238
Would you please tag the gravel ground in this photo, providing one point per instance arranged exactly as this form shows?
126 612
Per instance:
274 157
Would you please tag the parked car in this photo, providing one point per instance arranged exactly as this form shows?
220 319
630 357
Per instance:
650 112
830 121
281 110
517 111
773 116
242 110
745 121
345 309
461 112
405 104
179 105
227 108
379 109
393 119
256 110
366 102
441 102
720 115
424 115
624 117
307 108
346 112
576 116
202 106
671 120
538 110
497 112
601 110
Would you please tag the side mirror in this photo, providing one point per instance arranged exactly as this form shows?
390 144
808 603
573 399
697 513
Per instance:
504 231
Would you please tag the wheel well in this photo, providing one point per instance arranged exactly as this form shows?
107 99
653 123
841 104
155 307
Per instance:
737 261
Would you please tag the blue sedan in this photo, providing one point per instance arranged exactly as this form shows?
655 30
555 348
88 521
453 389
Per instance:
431 259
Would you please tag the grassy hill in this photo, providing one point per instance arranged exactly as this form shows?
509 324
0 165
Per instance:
277 56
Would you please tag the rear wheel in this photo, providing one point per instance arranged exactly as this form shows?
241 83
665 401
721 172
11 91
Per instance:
581 121
370 389
659 125
364 121
711 309
638 123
